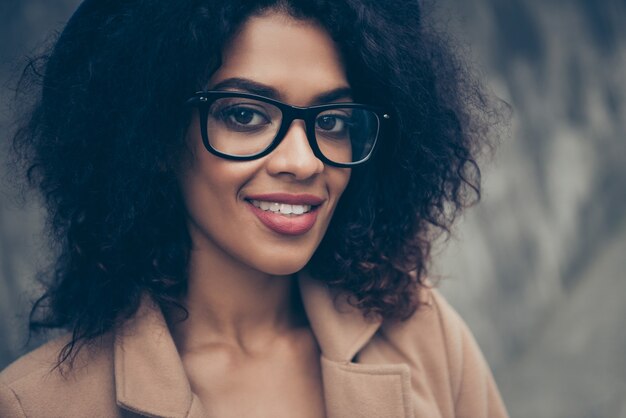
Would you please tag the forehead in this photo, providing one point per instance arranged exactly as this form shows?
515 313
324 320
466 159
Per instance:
298 58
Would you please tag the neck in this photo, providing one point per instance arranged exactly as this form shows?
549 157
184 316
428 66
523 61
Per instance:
234 305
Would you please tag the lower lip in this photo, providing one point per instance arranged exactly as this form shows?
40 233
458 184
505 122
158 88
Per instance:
284 224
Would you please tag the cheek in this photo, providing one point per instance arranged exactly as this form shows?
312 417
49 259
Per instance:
205 183
214 184
339 179
208 174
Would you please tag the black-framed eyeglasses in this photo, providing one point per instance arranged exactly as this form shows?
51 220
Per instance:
243 126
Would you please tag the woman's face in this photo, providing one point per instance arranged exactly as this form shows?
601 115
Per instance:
296 62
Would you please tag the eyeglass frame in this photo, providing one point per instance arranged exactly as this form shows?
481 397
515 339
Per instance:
203 100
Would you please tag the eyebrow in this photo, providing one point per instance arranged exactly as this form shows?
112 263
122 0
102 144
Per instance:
254 87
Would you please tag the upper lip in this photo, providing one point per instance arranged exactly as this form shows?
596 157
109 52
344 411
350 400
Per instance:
288 198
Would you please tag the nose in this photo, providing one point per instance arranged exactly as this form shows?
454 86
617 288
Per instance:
294 155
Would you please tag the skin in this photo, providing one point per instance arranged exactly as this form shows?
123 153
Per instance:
246 346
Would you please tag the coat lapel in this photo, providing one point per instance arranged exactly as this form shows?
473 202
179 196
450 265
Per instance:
149 375
352 389
150 378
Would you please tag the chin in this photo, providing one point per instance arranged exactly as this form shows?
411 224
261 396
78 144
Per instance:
284 270
283 267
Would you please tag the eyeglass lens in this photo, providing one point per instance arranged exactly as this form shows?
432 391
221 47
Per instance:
243 126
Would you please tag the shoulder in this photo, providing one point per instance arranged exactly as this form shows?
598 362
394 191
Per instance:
44 357
435 324
434 334
443 356
33 384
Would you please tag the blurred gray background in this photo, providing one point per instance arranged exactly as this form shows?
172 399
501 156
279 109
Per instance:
538 268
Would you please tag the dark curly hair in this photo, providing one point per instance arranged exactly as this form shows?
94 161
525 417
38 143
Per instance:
105 135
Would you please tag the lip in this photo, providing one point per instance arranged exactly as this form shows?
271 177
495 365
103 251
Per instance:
288 198
283 224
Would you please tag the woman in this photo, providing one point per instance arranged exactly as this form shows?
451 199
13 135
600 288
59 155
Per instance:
244 195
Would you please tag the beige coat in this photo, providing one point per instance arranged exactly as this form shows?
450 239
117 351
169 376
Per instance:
428 366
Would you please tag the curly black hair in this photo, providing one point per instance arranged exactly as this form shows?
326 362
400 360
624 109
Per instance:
105 136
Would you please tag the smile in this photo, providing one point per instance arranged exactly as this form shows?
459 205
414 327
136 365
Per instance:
282 208
286 214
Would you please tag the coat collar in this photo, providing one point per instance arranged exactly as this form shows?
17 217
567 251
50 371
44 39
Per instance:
150 378
352 389
149 374
341 329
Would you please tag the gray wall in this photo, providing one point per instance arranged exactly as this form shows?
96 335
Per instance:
538 267
23 249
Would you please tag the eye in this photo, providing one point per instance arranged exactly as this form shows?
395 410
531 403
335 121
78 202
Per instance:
334 124
242 118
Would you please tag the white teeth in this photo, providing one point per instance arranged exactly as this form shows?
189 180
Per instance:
282 208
